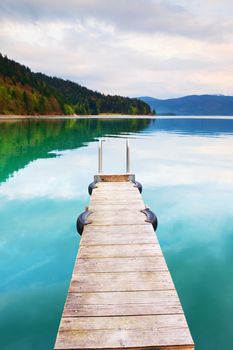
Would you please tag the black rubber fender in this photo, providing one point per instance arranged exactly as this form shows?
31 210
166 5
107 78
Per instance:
91 187
138 185
151 217
82 221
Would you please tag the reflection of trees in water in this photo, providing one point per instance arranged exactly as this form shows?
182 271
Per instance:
26 140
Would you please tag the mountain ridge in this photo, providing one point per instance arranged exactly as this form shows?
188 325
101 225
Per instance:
192 105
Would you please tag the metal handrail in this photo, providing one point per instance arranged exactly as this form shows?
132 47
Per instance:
100 158
127 156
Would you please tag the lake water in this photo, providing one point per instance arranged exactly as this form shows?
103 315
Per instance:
186 168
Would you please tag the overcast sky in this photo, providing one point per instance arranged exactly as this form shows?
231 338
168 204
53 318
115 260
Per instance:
129 47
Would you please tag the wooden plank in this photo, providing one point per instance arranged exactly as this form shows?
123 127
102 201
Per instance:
131 192
115 219
120 217
116 207
116 191
119 251
115 178
116 196
123 332
117 238
115 185
145 264
122 303
119 201
114 188
123 234
120 282
141 230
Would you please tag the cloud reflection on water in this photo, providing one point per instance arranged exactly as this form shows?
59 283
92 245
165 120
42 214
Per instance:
157 161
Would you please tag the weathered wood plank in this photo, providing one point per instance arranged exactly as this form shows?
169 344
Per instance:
115 207
101 238
118 217
121 282
116 184
123 234
119 251
141 230
129 192
135 264
123 178
122 303
108 200
132 194
109 187
123 332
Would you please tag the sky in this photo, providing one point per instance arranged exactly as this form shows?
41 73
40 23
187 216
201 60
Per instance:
158 48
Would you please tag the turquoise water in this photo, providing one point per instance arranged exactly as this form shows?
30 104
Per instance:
186 168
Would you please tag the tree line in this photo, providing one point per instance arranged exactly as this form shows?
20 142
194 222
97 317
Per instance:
27 93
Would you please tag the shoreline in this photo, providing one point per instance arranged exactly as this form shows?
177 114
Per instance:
104 116
86 116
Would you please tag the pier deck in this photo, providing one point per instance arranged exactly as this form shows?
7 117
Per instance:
121 295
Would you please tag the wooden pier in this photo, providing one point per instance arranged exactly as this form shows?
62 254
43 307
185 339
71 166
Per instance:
121 294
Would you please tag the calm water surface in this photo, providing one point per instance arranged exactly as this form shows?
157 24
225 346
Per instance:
186 168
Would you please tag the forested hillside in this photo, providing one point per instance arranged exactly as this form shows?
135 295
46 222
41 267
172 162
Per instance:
27 93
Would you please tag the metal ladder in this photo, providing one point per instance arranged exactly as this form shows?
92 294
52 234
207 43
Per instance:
100 157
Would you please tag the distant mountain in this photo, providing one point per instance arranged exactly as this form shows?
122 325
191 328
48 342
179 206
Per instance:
28 93
196 105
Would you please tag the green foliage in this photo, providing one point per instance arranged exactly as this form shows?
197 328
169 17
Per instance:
25 92
69 109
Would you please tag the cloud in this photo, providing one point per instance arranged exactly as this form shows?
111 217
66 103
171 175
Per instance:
155 48
154 16
41 177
